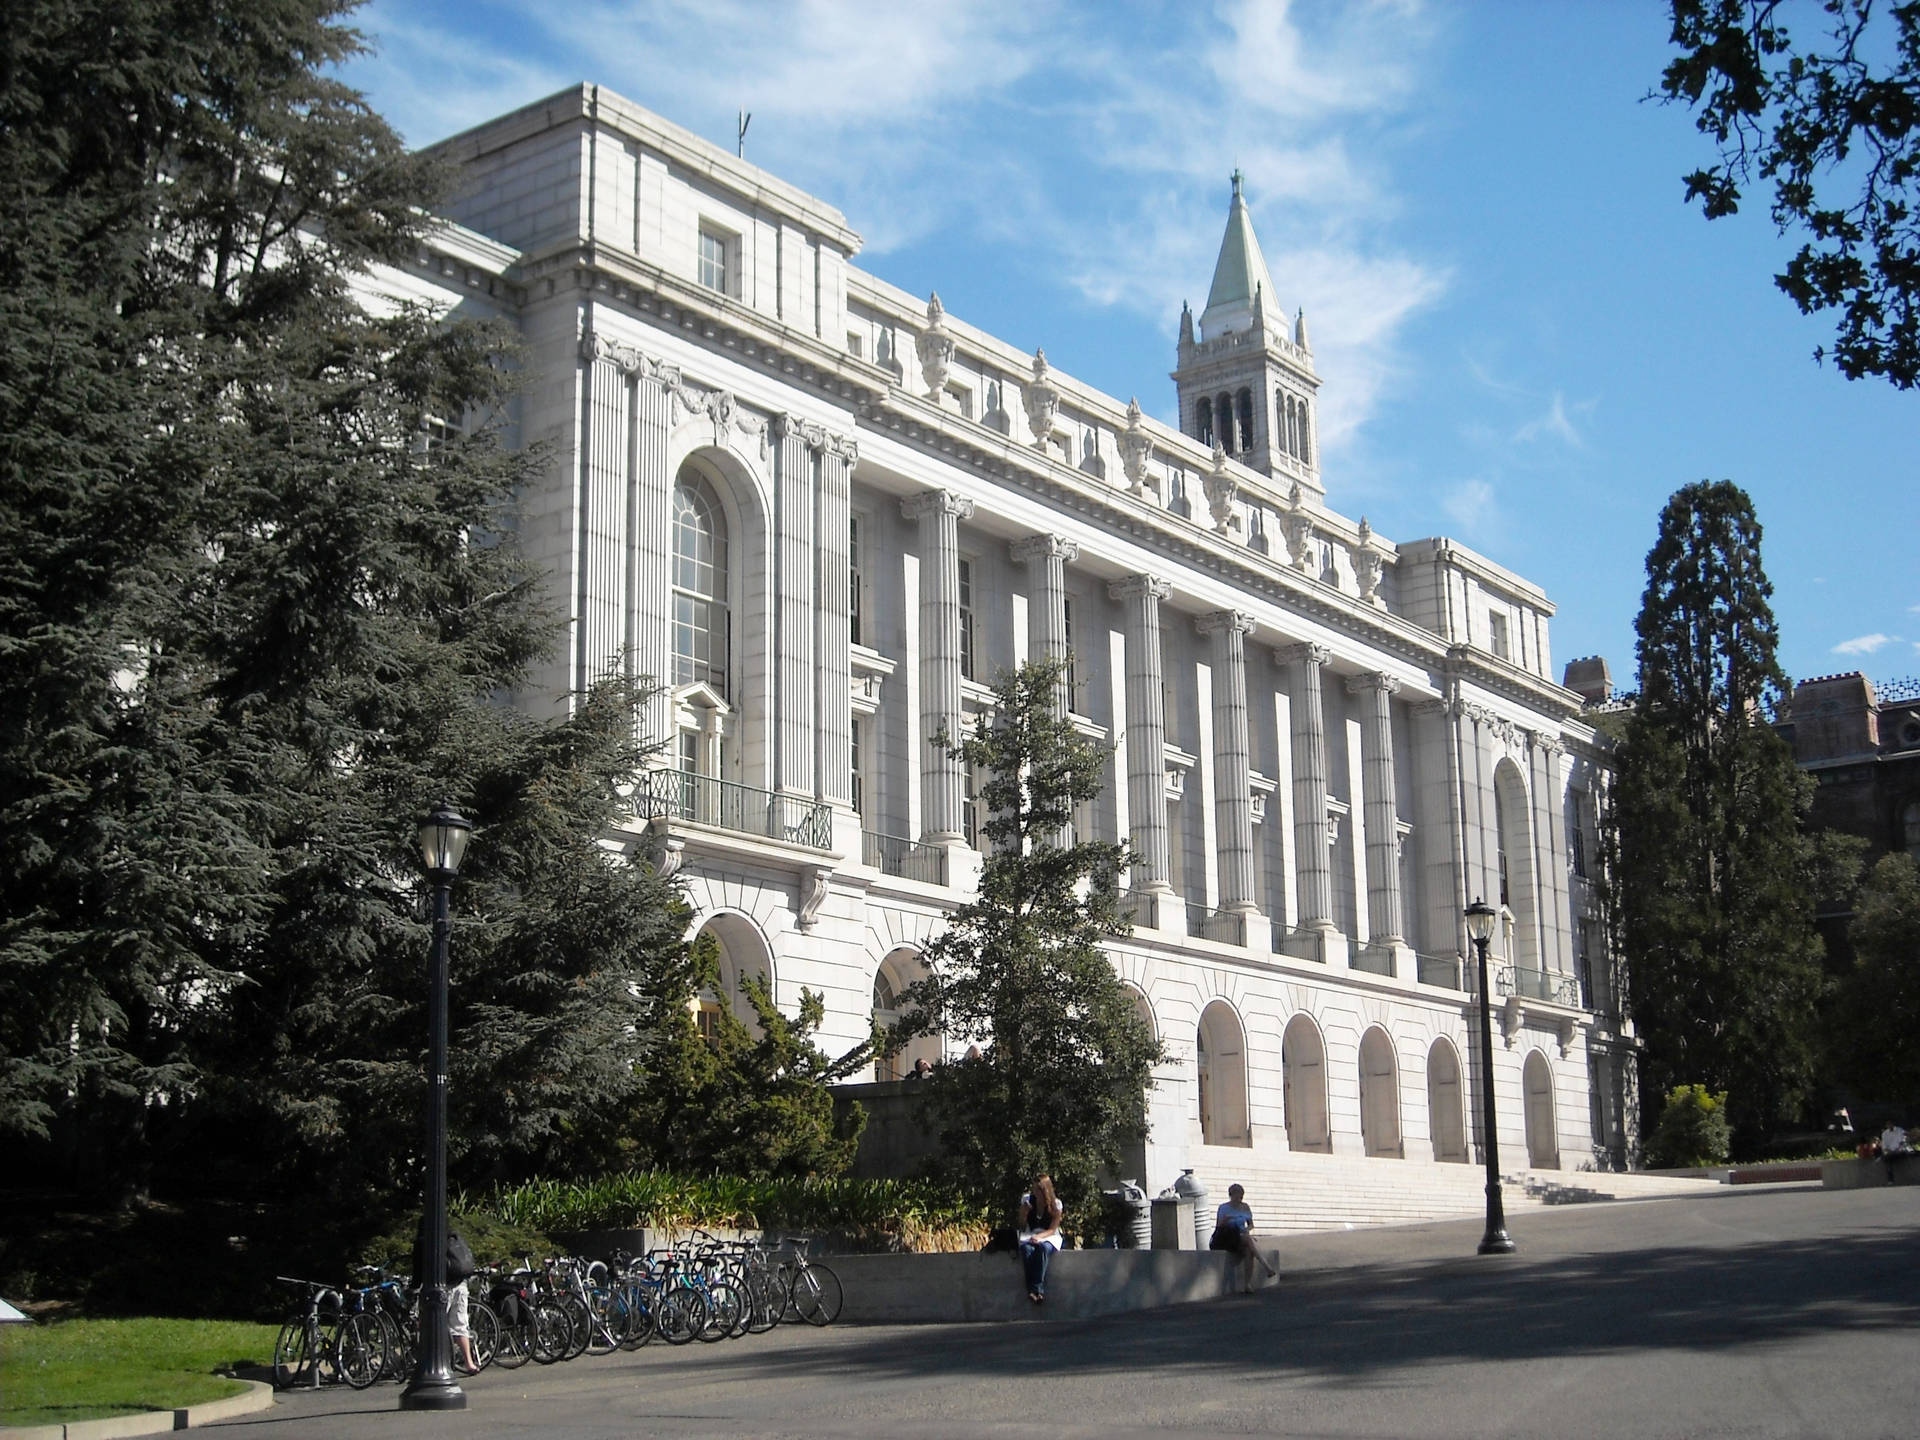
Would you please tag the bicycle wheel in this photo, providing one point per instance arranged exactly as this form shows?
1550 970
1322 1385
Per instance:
359 1351
816 1294
515 1345
579 1325
396 1355
293 1354
762 1311
552 1333
483 1327
679 1314
724 1304
602 1336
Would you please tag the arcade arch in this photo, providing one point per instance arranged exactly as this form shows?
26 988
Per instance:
1379 1096
1303 1072
1221 1064
897 974
1543 1139
1446 1103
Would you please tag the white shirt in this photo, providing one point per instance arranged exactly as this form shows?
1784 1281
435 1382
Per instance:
1033 1221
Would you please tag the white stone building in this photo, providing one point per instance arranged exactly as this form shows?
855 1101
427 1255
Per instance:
825 513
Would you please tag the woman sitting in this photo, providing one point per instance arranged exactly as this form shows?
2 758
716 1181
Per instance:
1040 1215
1233 1232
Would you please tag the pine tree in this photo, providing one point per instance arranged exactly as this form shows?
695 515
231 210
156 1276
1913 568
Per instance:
252 626
1707 866
1064 1059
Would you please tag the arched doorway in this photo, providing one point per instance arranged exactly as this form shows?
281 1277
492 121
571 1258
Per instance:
1446 1111
1303 1071
1379 1096
899 972
1543 1139
741 952
1221 1065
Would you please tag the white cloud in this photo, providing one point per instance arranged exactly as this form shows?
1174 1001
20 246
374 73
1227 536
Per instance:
1077 140
1469 504
1555 422
1865 644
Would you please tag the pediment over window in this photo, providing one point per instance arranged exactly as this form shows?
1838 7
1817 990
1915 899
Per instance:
700 696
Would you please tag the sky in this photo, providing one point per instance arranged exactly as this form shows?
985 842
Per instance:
1526 339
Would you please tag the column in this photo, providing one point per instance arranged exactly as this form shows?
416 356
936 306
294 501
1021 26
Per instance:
833 652
1233 787
1442 850
1550 860
1046 557
940 513
1375 692
1310 783
1146 732
796 462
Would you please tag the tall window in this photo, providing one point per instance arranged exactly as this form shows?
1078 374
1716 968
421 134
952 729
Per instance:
966 619
700 619
1500 844
1073 680
970 816
716 255
1497 635
859 776
853 580
1246 419
1203 421
1579 836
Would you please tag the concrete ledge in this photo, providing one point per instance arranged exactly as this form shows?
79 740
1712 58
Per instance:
894 1289
1862 1174
257 1396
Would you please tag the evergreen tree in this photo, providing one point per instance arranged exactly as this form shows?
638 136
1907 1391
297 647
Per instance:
252 624
1064 1060
1708 869
1877 1009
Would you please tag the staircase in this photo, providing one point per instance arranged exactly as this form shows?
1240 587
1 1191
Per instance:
1297 1191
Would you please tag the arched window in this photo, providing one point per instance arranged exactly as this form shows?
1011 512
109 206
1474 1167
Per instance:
1222 1068
1246 420
897 973
1223 413
1543 1141
1379 1095
1446 1113
1203 421
700 616
1305 450
1303 1074
993 396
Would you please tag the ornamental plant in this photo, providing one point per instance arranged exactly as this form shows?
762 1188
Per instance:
1692 1130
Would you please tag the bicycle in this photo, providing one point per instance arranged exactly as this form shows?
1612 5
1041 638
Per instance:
306 1351
813 1292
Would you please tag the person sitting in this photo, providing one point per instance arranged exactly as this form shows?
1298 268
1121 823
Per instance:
1233 1232
1894 1147
1040 1216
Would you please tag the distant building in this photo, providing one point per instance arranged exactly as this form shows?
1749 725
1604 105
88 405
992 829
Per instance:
823 513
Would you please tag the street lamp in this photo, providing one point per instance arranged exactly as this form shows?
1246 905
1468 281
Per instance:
443 842
1480 918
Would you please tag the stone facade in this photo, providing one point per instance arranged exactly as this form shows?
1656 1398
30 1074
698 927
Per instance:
823 513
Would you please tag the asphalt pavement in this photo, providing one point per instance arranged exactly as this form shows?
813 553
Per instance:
1784 1312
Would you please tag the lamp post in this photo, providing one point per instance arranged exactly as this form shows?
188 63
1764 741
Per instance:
1480 918
443 841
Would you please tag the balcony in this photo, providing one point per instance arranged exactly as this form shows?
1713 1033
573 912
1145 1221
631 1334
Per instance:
1302 942
1228 927
908 859
1440 970
1537 985
742 809
1373 962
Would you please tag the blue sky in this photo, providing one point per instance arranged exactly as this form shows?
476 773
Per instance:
1527 341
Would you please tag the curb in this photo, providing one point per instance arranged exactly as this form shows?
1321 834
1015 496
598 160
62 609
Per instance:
257 1396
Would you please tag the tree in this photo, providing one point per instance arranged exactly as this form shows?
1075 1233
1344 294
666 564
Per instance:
1834 126
1064 1059
1877 1009
258 610
1707 864
747 1101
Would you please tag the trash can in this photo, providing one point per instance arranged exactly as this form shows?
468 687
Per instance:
1129 1216
1191 1188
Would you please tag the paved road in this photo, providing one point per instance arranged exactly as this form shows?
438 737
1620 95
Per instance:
1788 1312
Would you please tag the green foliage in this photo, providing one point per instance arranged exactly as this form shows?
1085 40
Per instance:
1060 1082
1833 125
251 627
492 1239
878 1214
1707 870
1692 1130
75 1370
754 1101
1877 1009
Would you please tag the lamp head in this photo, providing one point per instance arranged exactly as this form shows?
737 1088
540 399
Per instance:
443 839
1480 918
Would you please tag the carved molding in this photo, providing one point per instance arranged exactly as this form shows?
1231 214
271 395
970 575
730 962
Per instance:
1043 547
1305 653
815 882
1136 587
722 407
937 502
1238 621
1372 680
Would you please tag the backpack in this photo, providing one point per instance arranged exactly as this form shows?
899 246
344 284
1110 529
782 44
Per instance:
460 1261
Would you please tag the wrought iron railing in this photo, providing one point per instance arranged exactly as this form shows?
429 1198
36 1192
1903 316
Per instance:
1441 970
1374 962
728 805
1530 984
1229 927
1301 943
909 859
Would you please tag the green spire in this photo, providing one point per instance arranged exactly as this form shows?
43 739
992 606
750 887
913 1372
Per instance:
1237 274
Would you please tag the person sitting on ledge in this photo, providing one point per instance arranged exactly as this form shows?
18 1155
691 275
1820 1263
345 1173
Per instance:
1233 1232
1040 1216
1894 1147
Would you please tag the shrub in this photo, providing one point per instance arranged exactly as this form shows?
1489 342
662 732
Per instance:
1692 1130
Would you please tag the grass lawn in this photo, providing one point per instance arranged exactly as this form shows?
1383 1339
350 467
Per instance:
87 1369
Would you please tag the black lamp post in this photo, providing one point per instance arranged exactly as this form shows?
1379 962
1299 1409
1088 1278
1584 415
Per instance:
443 841
1480 918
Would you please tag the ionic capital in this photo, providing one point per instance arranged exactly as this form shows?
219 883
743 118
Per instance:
1305 653
1043 547
937 502
1140 587
1237 622
1372 680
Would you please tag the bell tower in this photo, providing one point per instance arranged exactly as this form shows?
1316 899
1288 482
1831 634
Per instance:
1245 378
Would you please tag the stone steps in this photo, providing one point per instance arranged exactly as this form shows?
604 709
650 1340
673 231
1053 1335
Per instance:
1297 1192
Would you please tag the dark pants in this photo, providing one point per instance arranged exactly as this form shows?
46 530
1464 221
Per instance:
1036 1257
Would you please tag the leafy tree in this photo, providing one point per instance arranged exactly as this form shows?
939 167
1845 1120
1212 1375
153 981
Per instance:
1692 1130
1064 1060
1707 868
737 1102
1833 125
251 626
1877 1009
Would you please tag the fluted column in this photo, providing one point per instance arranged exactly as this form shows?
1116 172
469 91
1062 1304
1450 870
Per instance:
1553 905
833 652
1375 691
1233 789
1046 557
1146 731
1310 783
796 458
940 513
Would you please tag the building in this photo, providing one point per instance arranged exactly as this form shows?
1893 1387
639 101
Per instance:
825 512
